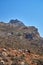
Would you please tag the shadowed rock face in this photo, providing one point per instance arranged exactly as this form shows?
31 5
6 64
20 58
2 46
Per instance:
16 35
16 22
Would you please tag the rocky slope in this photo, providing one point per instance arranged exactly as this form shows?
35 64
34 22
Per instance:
19 44
16 35
9 56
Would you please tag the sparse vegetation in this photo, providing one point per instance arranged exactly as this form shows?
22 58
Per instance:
24 43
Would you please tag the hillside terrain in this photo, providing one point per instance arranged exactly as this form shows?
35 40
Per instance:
20 44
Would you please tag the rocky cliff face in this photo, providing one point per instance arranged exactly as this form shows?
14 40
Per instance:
16 35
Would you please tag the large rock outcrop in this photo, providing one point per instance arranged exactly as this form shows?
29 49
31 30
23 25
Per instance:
16 35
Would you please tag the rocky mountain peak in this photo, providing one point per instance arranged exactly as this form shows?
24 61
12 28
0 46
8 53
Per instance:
16 22
16 35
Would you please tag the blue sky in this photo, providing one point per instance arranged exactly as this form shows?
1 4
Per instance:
28 11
